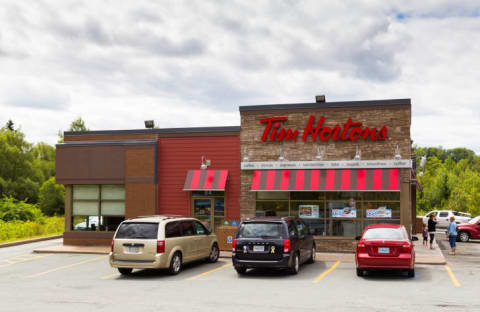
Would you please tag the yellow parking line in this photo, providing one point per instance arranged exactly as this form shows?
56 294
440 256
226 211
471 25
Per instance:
67 266
208 272
327 271
21 260
452 276
110 276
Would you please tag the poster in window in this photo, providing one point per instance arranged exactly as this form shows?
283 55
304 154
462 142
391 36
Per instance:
380 212
308 211
345 212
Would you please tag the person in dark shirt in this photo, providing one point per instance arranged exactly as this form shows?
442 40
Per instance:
432 227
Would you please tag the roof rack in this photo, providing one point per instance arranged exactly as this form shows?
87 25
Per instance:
165 216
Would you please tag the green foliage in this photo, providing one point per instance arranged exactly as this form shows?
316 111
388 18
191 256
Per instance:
52 198
76 125
16 230
23 167
11 209
451 180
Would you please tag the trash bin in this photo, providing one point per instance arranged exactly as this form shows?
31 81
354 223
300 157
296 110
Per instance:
225 235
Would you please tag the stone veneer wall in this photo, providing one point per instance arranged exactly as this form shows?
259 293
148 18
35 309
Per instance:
397 118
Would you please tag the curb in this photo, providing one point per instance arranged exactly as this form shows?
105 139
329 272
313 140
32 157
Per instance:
28 241
70 252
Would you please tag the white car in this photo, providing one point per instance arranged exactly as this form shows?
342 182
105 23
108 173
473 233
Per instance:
443 217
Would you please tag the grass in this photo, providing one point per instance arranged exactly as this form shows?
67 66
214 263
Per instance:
20 230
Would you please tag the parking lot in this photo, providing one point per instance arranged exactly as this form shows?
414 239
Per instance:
73 282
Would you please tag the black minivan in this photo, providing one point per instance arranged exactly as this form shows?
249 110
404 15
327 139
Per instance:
272 242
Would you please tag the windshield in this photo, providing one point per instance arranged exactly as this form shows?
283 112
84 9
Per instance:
140 230
474 220
384 233
255 230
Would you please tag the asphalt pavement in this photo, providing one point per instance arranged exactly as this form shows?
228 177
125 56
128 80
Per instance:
76 282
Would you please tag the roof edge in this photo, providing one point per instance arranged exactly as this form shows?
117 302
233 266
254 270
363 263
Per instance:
389 102
156 131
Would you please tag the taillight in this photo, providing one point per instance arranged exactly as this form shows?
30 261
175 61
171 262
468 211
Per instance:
361 247
406 248
286 245
113 244
160 246
234 245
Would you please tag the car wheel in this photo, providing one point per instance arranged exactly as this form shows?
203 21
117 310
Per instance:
312 257
214 254
359 272
463 236
295 265
125 271
240 270
175 264
411 273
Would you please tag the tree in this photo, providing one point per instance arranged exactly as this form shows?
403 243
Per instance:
10 125
52 198
76 125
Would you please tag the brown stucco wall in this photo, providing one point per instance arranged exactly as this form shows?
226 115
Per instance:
397 118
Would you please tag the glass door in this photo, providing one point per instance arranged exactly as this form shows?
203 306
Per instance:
210 211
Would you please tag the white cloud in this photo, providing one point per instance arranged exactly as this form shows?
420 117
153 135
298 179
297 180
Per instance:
192 63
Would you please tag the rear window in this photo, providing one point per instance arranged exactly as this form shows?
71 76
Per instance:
138 230
261 230
384 233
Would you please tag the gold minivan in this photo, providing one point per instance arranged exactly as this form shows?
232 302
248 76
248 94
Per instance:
161 242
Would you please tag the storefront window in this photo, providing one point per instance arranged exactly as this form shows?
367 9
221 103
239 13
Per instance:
332 213
98 207
272 208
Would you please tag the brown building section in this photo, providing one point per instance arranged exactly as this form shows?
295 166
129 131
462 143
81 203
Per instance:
127 162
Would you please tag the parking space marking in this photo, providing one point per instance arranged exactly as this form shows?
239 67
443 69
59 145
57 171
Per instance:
208 272
326 272
66 266
452 276
110 276
21 259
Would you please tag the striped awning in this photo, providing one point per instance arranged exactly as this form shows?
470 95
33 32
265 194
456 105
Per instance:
326 180
206 180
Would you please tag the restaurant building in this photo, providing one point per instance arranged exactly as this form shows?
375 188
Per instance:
338 165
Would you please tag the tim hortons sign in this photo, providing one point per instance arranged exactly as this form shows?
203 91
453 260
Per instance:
349 131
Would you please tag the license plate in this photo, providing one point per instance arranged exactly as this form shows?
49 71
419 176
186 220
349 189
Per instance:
133 249
384 250
258 248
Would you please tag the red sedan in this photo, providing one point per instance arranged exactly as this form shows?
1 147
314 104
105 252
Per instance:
385 246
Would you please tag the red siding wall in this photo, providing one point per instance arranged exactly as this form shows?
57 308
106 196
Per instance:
177 155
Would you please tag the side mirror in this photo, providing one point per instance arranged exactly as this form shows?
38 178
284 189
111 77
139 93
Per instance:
358 238
414 238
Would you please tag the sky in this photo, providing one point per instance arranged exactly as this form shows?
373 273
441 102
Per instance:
192 63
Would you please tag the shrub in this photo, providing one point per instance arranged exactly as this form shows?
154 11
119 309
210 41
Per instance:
11 209
15 230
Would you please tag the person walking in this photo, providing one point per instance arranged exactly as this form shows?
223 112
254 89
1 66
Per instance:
452 235
432 227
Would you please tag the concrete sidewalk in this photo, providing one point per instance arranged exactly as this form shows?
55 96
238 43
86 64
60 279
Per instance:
424 255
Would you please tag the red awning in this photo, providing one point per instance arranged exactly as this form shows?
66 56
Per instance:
206 180
326 180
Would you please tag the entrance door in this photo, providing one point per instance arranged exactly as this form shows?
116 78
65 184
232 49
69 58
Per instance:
210 211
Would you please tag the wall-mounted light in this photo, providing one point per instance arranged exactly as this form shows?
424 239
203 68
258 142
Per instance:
281 157
320 152
205 163
245 155
358 154
397 153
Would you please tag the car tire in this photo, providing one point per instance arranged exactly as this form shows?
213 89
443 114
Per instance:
463 236
411 273
359 272
312 257
295 264
214 254
175 264
240 270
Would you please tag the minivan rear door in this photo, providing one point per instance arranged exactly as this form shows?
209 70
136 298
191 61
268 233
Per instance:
261 241
136 241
